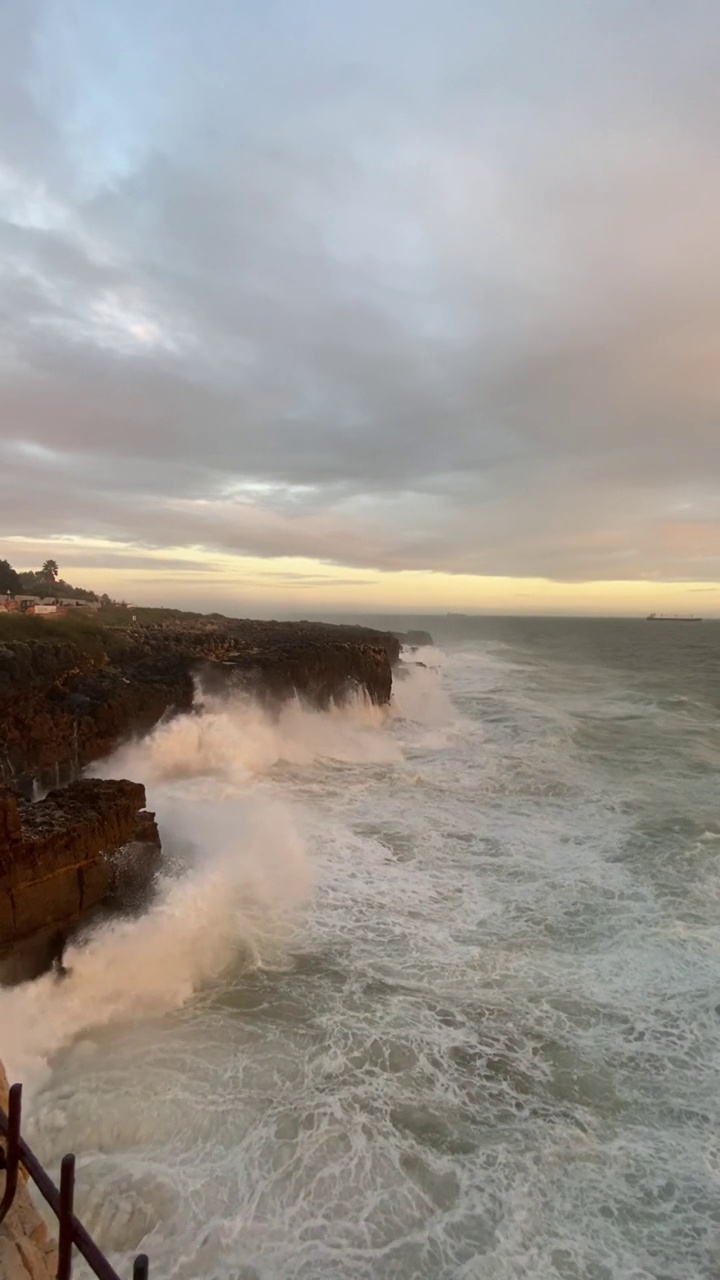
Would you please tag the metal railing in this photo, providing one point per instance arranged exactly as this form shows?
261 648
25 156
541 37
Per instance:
71 1232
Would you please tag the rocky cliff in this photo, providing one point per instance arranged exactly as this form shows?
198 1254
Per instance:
66 702
63 704
413 639
63 856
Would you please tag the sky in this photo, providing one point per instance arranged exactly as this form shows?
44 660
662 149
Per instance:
308 305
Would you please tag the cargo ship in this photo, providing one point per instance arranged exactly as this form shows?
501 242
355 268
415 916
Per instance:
670 617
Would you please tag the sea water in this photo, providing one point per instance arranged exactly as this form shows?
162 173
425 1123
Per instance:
431 991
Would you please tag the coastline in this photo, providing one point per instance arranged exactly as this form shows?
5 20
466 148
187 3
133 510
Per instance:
71 695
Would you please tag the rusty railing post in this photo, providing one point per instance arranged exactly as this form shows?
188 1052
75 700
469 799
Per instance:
12 1152
65 1218
71 1232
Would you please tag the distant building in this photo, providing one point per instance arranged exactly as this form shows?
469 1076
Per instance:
44 604
19 604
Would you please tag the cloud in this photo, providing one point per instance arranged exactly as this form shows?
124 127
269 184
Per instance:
436 290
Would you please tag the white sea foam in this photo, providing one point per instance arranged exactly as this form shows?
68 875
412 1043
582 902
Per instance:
426 993
240 862
235 739
233 902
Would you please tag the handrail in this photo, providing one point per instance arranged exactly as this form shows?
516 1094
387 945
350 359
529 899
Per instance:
71 1232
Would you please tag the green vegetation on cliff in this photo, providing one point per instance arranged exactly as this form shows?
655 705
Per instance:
9 579
91 633
40 582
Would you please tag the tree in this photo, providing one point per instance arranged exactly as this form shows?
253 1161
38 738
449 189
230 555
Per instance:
9 579
50 570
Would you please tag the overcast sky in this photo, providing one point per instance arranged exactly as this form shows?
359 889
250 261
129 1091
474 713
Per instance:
412 301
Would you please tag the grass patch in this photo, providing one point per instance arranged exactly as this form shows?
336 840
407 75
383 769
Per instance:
103 633
86 631
117 616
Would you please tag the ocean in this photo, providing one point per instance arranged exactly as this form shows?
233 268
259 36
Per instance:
427 992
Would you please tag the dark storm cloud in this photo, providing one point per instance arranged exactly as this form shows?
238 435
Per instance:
434 290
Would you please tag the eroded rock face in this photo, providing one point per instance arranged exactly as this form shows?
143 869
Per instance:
62 857
61 708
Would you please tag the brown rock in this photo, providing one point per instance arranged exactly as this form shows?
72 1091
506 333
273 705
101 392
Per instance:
59 860
61 707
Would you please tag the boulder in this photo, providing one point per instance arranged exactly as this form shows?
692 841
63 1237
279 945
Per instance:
63 857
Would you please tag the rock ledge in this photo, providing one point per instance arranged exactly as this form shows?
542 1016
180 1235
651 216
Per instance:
60 859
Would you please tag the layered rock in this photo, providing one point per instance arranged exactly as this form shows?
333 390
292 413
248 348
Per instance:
63 705
61 858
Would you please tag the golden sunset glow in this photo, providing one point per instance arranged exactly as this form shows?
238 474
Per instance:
189 577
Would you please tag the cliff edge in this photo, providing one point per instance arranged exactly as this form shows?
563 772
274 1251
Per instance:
61 858
66 702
